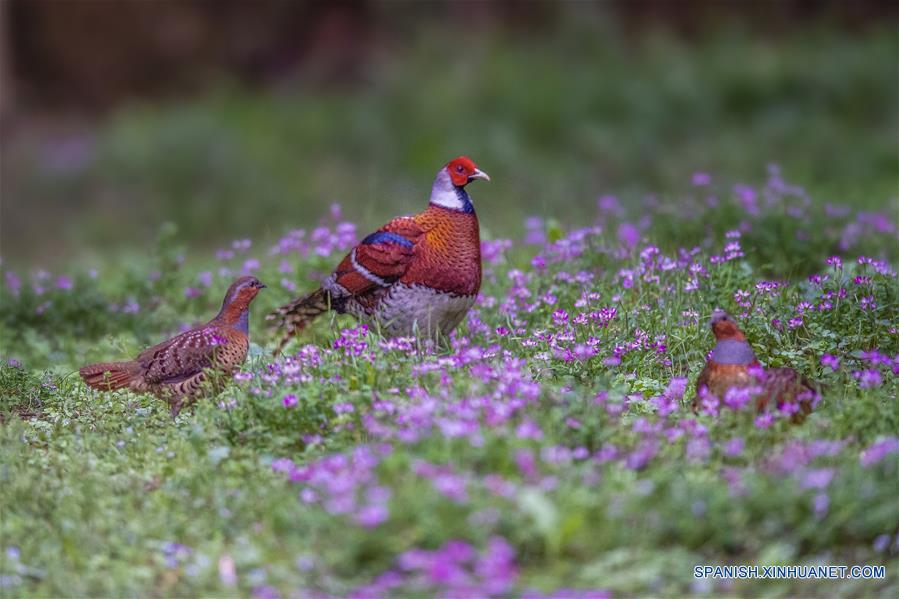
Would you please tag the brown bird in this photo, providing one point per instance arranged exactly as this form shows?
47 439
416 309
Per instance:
175 370
733 365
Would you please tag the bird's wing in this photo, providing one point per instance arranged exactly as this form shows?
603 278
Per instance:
701 382
381 258
183 356
704 376
787 384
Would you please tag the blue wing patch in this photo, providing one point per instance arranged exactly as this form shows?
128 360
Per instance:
387 237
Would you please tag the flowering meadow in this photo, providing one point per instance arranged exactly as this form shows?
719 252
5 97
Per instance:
548 449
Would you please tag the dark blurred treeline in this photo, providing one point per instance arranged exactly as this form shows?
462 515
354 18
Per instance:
235 119
89 55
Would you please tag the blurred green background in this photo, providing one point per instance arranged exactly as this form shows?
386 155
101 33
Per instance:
238 119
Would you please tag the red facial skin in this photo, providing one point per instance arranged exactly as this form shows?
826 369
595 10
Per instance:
461 169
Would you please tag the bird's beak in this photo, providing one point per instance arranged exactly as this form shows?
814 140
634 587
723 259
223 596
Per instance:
479 174
262 286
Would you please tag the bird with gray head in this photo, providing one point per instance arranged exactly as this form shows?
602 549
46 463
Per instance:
176 370
732 364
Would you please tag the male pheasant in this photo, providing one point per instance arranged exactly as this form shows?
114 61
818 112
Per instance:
416 274
175 370
733 365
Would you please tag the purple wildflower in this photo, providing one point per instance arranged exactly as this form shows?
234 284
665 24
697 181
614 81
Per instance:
878 450
628 235
764 421
733 447
13 282
371 516
830 361
817 478
869 378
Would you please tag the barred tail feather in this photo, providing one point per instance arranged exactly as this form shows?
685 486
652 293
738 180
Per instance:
296 315
109 376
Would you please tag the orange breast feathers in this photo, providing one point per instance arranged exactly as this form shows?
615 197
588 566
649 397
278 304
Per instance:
449 257
438 248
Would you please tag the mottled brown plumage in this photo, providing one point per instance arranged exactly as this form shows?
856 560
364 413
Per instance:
176 369
733 365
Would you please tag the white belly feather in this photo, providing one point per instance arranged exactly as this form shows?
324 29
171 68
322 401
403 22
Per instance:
407 310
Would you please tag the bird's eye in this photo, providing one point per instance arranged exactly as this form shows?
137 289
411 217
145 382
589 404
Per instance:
459 169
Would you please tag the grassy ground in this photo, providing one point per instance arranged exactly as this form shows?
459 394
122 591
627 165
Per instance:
550 448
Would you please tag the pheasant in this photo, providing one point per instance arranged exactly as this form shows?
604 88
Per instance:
733 365
416 274
175 370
